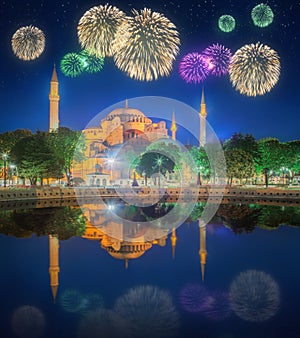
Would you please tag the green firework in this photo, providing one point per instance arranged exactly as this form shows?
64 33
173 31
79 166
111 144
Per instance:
92 63
262 15
226 23
72 65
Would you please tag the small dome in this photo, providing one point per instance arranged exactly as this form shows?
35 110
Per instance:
127 114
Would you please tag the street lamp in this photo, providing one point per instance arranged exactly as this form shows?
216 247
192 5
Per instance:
12 168
4 156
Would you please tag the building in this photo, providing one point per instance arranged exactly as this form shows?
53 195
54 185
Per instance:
123 131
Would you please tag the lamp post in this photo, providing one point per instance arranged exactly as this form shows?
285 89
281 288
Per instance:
12 168
159 163
5 156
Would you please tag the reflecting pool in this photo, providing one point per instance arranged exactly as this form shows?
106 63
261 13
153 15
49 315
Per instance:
80 272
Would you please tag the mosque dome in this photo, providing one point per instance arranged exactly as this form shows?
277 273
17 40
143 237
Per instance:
129 250
127 114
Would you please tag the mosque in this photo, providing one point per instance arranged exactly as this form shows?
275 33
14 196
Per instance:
124 124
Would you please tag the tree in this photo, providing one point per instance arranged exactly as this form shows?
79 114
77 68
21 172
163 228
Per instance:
273 155
246 143
202 162
68 147
239 164
35 158
10 138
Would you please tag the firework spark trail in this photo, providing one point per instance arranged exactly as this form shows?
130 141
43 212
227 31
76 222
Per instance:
254 69
146 45
28 43
72 65
194 68
97 28
220 58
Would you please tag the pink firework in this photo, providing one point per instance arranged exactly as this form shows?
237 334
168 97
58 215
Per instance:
194 67
219 59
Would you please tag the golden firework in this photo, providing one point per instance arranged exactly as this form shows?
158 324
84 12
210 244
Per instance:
97 27
28 43
146 45
254 69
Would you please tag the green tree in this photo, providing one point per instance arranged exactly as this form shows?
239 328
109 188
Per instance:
68 147
239 164
246 143
202 163
10 138
35 158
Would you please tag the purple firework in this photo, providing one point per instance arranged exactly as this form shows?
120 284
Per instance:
217 306
193 298
194 67
219 57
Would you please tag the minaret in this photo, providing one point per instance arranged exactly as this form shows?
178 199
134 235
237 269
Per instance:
54 264
173 241
202 251
202 115
173 127
54 101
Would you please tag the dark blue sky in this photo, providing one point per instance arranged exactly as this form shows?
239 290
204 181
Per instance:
24 86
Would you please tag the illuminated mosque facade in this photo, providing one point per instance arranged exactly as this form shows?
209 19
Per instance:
122 125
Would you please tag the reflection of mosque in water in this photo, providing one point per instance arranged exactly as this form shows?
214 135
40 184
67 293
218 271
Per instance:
120 241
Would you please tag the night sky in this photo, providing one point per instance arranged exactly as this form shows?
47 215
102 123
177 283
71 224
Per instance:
24 85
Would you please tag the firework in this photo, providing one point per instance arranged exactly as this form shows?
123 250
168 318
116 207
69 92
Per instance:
146 45
219 59
72 301
72 64
226 23
91 63
262 15
254 69
149 311
103 323
216 306
254 296
193 297
28 43
97 28
28 321
194 67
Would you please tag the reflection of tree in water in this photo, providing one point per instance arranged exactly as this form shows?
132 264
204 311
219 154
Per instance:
149 311
63 222
240 218
271 217
74 301
28 322
254 296
103 323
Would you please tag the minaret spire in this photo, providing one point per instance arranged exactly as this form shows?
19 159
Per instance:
126 103
202 116
173 127
54 101
202 250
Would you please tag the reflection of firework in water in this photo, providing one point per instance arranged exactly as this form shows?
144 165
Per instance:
97 29
28 43
194 68
28 321
217 306
103 323
254 296
262 15
149 311
91 302
254 69
72 301
193 297
220 58
72 65
146 45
